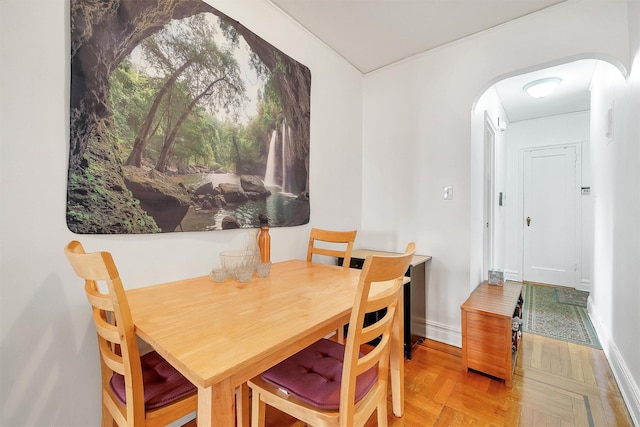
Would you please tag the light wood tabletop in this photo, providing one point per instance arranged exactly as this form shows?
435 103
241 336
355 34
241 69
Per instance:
221 334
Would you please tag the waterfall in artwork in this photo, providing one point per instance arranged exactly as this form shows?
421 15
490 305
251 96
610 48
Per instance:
287 175
284 157
270 173
271 176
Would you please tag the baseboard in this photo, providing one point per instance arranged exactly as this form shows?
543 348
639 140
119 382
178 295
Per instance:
444 348
626 383
437 332
585 285
511 275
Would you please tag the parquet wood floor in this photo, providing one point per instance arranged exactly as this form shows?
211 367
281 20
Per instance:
556 383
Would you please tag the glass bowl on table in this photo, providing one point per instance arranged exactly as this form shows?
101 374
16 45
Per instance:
236 261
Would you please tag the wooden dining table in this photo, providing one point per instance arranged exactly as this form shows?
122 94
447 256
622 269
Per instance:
220 334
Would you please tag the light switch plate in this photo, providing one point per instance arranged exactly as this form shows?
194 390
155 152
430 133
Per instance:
448 193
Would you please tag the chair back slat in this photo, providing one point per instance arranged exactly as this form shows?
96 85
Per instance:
105 330
372 357
377 329
111 358
96 266
96 298
334 253
344 239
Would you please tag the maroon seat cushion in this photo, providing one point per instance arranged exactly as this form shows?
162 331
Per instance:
315 374
163 384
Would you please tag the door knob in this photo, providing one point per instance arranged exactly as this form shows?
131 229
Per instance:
528 221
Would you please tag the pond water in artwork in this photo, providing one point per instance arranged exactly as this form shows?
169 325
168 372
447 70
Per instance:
282 209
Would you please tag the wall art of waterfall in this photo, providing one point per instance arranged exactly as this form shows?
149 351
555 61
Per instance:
182 119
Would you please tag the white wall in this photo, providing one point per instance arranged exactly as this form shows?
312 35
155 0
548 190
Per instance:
616 199
547 131
417 132
49 361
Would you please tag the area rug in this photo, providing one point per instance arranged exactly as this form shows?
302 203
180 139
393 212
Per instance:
544 315
571 296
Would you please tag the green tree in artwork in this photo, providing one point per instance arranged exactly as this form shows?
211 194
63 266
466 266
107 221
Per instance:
194 145
185 56
130 100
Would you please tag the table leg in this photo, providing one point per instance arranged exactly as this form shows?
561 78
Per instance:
216 405
397 359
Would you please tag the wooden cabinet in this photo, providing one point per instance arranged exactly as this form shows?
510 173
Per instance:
490 335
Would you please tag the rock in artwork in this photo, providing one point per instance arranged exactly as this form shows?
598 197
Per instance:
182 119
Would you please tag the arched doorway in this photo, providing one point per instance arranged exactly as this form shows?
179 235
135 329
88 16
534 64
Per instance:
525 127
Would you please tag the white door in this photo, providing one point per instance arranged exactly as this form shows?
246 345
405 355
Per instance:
551 196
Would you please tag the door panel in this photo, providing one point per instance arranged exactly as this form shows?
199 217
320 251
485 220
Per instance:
550 215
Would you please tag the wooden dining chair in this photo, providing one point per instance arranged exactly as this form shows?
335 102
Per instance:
335 244
329 384
136 390
339 244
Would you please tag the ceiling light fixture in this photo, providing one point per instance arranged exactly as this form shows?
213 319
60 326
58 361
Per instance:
542 87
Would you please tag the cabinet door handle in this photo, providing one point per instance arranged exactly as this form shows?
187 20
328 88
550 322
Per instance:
528 221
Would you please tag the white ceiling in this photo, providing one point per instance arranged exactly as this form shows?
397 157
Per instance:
571 95
371 34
